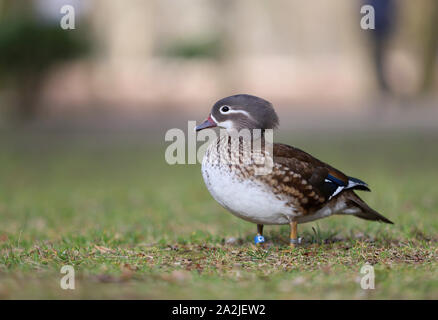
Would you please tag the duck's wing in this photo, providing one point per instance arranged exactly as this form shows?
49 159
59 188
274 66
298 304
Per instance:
308 180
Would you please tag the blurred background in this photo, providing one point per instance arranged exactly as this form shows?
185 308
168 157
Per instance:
160 59
83 115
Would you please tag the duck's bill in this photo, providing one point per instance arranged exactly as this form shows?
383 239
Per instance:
209 123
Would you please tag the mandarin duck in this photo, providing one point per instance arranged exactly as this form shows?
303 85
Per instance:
297 188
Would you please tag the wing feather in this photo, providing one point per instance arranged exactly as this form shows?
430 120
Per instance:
322 181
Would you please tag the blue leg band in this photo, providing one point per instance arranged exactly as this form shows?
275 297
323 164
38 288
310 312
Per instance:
259 239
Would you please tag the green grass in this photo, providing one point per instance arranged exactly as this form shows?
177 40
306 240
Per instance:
135 227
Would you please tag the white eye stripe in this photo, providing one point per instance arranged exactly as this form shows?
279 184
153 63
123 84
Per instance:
240 111
235 111
228 124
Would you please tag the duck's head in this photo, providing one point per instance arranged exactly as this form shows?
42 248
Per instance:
241 111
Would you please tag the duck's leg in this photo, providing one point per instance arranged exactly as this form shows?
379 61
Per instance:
259 237
293 234
260 230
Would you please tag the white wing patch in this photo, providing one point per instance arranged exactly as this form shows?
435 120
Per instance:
339 189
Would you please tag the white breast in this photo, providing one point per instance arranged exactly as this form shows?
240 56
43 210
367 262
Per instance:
245 198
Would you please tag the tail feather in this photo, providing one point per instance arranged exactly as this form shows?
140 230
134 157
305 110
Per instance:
357 184
365 212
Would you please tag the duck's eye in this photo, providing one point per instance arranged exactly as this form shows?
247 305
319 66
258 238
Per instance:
225 109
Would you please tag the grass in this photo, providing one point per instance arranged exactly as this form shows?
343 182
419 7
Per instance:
135 227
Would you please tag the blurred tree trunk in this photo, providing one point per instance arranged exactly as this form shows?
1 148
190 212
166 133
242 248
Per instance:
430 48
